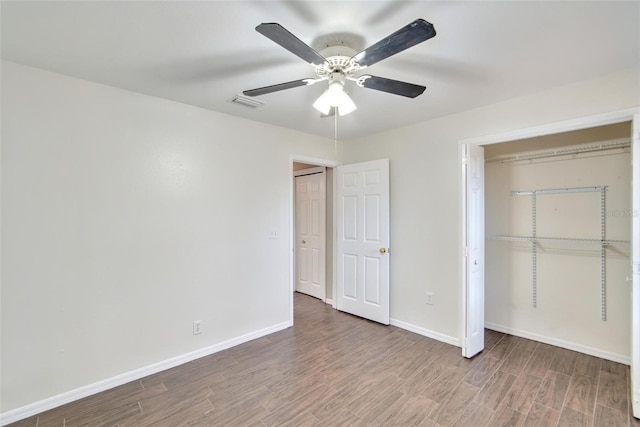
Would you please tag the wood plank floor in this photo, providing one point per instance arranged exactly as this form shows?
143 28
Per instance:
333 369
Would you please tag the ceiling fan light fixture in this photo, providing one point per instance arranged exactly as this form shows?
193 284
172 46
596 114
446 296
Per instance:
322 104
335 93
346 106
335 96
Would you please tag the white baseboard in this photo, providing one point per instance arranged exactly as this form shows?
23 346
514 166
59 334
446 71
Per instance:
603 354
329 301
426 332
106 384
635 402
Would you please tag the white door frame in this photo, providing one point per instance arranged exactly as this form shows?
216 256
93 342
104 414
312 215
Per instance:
548 129
635 263
294 158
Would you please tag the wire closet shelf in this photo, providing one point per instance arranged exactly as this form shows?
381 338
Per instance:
535 240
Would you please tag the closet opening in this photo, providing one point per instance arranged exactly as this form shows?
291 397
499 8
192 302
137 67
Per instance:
557 236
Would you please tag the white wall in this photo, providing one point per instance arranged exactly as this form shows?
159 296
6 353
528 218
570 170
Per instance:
568 275
124 219
425 188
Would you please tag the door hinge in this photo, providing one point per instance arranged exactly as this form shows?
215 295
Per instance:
466 251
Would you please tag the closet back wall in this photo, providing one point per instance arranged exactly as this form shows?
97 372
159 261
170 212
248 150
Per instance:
568 311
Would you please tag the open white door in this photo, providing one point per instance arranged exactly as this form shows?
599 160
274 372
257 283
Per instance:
473 342
363 239
635 266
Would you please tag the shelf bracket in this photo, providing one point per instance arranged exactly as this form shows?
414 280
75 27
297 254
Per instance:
534 252
603 254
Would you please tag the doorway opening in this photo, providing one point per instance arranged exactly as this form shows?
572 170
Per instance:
313 225
297 164
358 208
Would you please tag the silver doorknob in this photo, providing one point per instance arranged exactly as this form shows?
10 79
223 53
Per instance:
303 242
383 250
475 262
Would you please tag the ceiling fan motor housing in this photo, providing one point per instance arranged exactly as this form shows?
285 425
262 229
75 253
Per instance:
338 60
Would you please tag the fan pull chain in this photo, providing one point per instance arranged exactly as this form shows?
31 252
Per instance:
335 133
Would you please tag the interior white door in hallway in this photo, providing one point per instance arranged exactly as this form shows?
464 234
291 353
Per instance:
362 203
310 235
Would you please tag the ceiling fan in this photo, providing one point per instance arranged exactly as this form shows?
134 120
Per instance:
338 64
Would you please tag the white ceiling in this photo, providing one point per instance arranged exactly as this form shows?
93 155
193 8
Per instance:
203 53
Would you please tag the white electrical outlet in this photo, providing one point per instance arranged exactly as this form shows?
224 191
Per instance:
273 234
429 299
197 327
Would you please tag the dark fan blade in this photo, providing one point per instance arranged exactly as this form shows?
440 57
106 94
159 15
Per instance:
284 38
276 88
406 37
393 86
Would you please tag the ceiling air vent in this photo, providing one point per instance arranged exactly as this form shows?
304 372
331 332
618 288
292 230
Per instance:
246 101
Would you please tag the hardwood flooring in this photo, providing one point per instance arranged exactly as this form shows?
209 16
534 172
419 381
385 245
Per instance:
333 369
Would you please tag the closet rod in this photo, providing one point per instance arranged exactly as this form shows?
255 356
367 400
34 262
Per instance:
621 143
558 191
560 240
